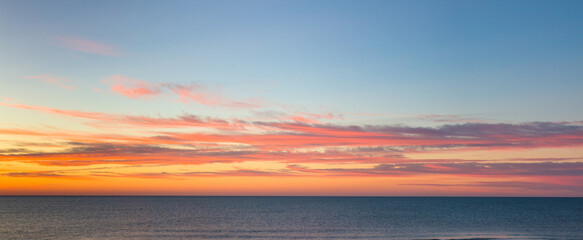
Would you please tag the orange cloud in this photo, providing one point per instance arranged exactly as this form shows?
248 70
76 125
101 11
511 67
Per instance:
283 135
185 145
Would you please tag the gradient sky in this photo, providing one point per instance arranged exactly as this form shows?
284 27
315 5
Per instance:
373 98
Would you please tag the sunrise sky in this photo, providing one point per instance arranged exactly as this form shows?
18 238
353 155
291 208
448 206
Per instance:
351 98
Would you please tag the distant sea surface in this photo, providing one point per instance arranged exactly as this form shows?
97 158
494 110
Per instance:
290 218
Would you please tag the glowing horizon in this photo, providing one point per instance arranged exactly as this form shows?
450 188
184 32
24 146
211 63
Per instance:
258 104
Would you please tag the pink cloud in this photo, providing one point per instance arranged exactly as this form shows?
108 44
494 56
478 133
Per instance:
136 88
194 92
61 82
84 45
202 95
132 88
105 119
282 135
185 140
304 117
71 113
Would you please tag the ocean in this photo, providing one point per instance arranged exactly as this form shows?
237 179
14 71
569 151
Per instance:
290 218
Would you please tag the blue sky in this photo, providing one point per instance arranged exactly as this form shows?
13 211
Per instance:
243 83
510 60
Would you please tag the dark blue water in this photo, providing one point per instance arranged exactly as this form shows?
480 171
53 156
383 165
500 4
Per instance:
289 218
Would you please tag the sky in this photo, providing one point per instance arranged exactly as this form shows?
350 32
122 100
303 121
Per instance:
287 98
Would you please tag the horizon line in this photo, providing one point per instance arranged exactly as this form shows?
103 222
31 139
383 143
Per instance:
315 196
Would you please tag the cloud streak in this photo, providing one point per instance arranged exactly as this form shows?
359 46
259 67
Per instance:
463 169
515 185
285 135
86 45
192 146
57 81
84 154
115 120
191 93
132 88
451 119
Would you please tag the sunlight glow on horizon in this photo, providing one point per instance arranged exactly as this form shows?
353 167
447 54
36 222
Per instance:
292 98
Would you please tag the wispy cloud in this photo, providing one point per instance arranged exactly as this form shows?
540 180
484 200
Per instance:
520 185
313 118
483 169
61 82
71 113
132 88
190 93
194 93
291 134
117 120
36 174
86 45
452 119
307 149
297 116
85 153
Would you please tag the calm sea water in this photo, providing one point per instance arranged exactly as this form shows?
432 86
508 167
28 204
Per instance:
290 218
